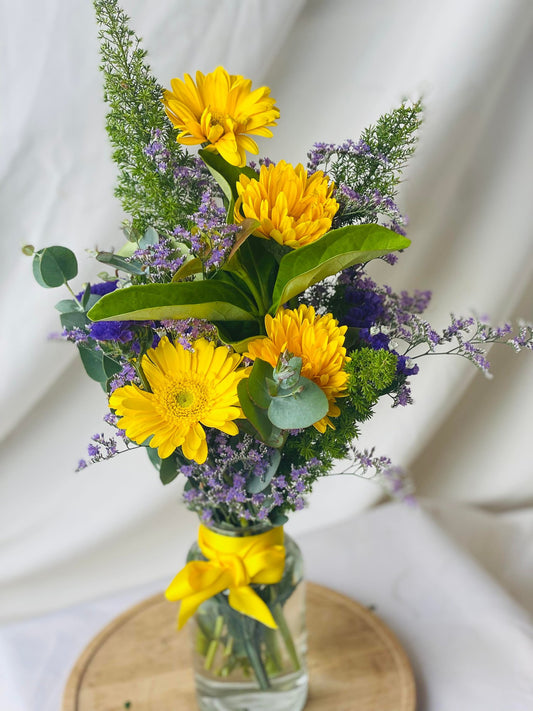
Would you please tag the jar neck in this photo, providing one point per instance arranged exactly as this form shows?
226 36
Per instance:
253 529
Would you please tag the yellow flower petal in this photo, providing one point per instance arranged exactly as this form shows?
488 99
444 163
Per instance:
293 209
220 109
187 389
318 341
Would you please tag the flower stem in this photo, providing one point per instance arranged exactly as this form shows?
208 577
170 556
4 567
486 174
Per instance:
277 613
254 654
211 650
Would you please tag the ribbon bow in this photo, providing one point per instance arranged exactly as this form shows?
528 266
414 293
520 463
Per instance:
232 563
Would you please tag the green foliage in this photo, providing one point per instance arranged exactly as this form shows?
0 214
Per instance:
335 251
370 373
54 266
394 137
209 299
136 115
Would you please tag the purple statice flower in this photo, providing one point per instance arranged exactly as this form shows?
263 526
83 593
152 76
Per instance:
126 376
117 331
100 288
187 330
210 239
160 261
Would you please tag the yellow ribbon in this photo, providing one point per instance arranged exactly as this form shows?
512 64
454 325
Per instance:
232 564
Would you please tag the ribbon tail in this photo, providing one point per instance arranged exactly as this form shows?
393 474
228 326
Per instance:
247 602
193 585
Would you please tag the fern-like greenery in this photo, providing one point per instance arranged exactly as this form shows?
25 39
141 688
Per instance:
370 375
136 118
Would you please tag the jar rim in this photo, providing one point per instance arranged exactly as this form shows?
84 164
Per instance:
253 529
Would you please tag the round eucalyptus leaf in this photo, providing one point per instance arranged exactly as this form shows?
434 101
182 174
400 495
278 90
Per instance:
54 266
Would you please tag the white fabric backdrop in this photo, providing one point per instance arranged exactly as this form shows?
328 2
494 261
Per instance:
333 68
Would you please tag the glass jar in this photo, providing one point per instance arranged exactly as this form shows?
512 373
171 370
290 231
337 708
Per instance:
240 663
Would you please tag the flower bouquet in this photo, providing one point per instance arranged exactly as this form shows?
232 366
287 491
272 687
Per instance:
241 340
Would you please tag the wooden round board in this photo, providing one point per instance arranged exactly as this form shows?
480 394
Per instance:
139 661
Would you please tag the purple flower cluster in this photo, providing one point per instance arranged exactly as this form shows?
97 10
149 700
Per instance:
101 447
187 330
210 239
217 490
393 479
160 261
195 176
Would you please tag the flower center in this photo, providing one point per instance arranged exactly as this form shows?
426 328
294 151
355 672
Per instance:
185 399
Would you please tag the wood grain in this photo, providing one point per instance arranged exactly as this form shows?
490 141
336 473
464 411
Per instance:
355 662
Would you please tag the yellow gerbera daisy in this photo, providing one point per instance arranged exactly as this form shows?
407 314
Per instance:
189 389
318 340
220 109
293 208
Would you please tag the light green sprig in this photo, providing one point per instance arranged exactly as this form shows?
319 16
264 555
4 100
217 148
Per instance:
151 196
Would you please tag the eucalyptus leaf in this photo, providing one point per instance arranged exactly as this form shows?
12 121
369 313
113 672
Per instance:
85 296
73 319
54 266
149 238
98 366
120 263
332 253
209 299
278 519
257 383
67 306
300 409
168 470
154 457
259 418
258 483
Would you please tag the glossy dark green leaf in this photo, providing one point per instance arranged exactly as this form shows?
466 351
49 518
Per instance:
278 519
329 255
225 174
85 296
120 263
300 409
212 300
154 457
188 268
54 266
257 268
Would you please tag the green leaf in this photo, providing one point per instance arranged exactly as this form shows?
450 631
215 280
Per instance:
226 175
258 417
149 238
168 470
278 519
257 384
98 366
67 306
258 483
73 319
332 253
188 268
120 263
300 409
54 266
207 299
257 268
85 297
237 334
154 457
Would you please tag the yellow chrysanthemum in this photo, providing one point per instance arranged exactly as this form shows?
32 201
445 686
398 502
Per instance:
293 208
220 109
189 389
318 340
